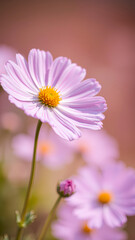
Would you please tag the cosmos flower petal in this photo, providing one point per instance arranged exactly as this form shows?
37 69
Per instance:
73 74
126 205
94 105
31 109
96 220
44 114
113 217
15 101
63 127
82 119
57 68
14 90
39 63
89 87
16 77
26 77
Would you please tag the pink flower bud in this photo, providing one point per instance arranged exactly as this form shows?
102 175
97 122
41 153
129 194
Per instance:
66 188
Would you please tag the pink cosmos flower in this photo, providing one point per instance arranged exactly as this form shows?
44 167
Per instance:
70 227
105 197
6 53
51 150
96 148
53 91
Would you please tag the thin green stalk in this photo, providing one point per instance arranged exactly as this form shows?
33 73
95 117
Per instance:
49 219
19 231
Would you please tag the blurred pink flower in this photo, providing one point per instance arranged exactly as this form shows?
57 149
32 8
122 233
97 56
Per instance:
53 92
6 53
51 150
70 227
105 197
96 147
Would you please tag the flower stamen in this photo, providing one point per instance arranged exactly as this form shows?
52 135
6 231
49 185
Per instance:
49 96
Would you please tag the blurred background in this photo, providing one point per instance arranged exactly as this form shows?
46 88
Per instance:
97 35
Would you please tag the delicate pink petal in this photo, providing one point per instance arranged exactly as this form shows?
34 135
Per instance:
113 217
39 63
57 68
16 77
96 219
63 127
43 114
17 103
73 74
93 105
89 87
15 90
81 119
26 77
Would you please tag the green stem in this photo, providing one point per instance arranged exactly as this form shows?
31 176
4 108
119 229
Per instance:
19 232
49 219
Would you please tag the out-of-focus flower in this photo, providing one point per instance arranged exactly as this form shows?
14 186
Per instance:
70 227
96 147
66 188
105 197
51 150
53 91
10 121
6 53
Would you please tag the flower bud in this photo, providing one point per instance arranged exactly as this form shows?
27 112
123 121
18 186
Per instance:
66 188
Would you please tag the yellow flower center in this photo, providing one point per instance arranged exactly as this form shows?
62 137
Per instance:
104 197
49 96
44 147
86 229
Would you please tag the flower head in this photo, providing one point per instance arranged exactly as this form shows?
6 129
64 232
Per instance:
69 227
105 197
52 151
66 188
96 147
53 91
